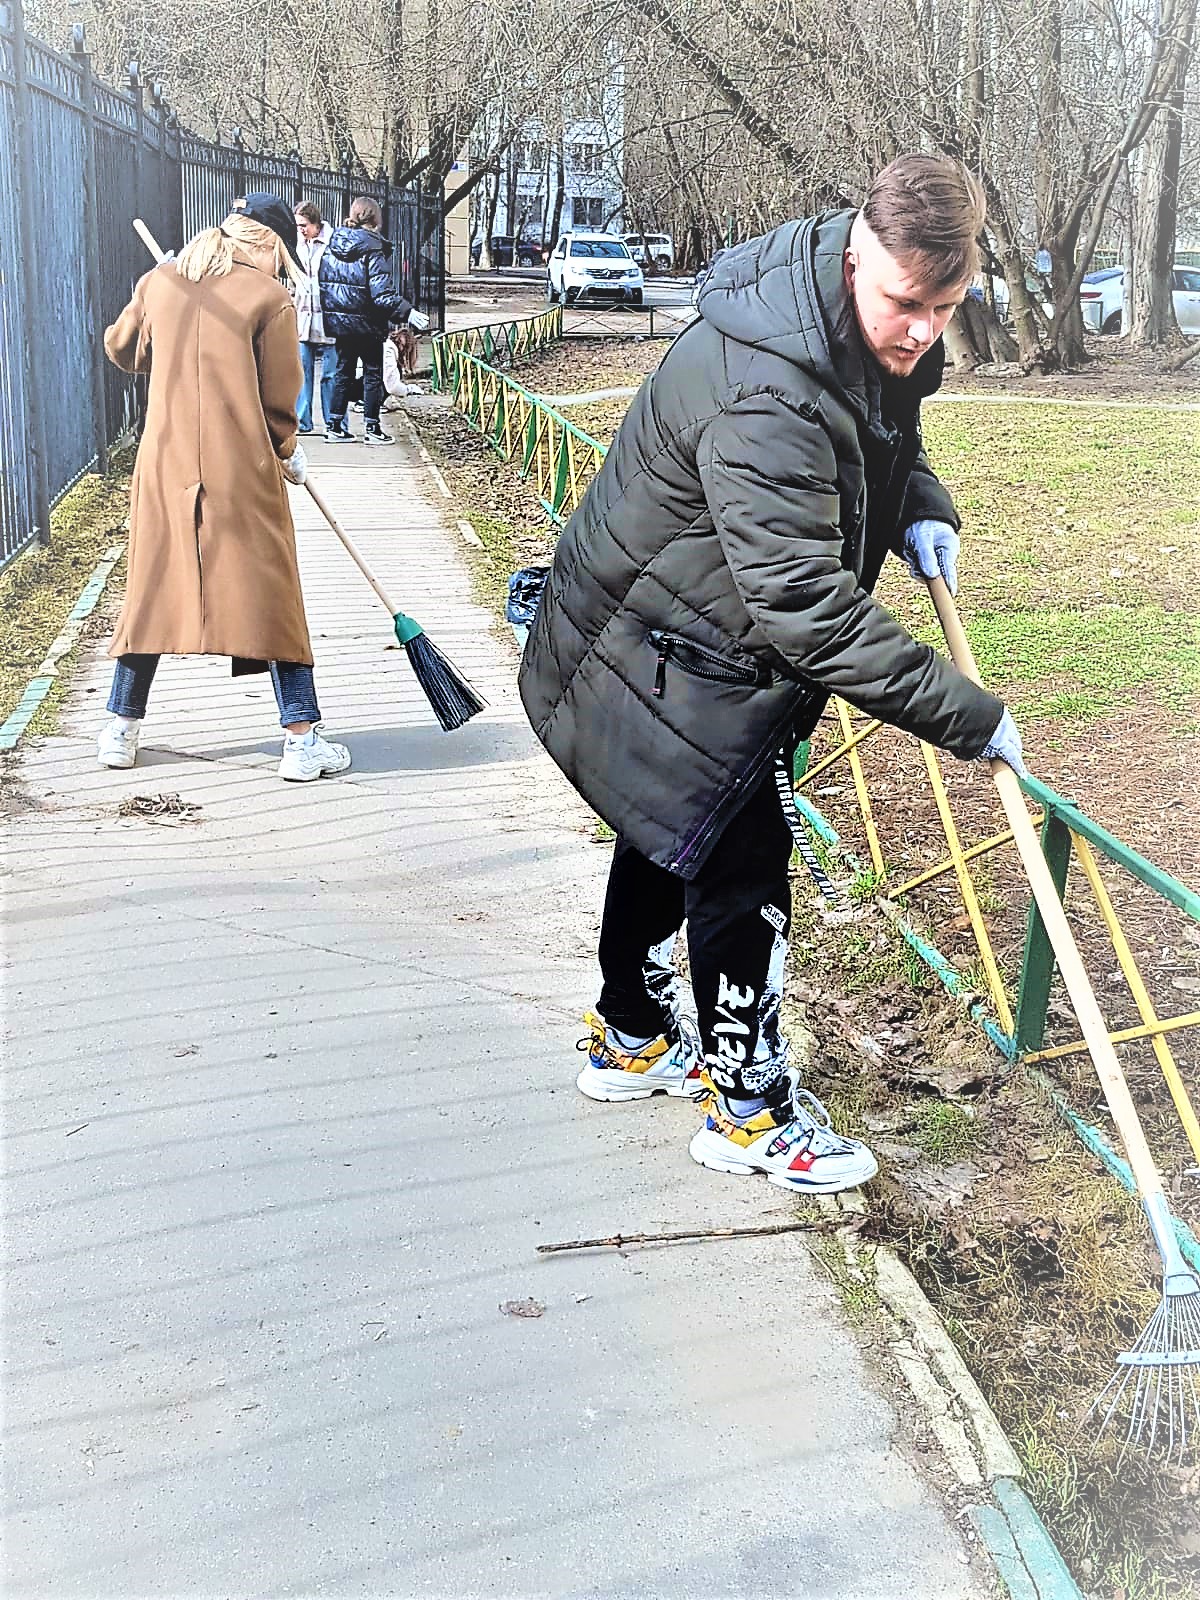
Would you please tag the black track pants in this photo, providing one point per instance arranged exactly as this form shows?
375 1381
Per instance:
738 912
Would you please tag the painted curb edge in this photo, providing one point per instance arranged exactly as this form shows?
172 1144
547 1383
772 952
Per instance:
40 686
1022 1550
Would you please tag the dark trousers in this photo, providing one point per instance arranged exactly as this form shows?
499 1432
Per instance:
738 913
295 691
350 351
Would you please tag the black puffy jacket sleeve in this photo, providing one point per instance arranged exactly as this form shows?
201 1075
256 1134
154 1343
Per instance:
769 474
381 290
927 498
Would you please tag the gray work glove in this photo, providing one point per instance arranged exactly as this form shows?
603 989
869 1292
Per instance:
418 321
931 551
295 468
1006 743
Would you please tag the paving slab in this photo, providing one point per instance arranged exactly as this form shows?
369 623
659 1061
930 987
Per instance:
289 1105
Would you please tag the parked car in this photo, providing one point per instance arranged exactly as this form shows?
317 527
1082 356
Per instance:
595 266
1000 294
529 252
660 245
1105 302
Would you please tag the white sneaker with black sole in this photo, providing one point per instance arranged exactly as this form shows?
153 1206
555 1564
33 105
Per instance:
309 756
118 742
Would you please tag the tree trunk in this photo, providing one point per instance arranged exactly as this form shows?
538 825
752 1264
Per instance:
1148 275
489 221
560 183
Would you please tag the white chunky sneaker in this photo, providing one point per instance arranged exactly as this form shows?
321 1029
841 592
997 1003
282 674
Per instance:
118 742
660 1067
793 1143
308 756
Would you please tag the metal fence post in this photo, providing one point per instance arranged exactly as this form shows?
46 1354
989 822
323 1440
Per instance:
240 151
92 252
22 101
1037 962
139 137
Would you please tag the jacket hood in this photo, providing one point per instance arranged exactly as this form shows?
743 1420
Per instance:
786 292
351 244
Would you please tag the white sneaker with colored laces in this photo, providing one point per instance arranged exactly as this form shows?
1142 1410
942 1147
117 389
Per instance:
795 1145
308 756
659 1067
118 742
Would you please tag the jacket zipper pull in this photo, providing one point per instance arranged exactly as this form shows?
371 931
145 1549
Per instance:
660 670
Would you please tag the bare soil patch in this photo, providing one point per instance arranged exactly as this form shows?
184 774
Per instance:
1114 372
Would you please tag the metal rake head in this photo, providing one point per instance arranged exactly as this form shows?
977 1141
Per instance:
1156 1387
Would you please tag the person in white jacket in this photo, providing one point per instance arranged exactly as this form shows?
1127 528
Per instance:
315 344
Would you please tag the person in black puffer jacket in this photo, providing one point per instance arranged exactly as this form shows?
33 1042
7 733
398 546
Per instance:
709 595
360 302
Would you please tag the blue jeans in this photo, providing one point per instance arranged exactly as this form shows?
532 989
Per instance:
310 354
350 351
294 689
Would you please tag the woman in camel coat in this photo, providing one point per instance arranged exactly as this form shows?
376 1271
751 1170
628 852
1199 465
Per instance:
212 550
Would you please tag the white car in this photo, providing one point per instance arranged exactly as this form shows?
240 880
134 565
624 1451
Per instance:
595 266
660 245
1105 303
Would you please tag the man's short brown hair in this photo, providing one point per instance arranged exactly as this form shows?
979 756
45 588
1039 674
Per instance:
928 212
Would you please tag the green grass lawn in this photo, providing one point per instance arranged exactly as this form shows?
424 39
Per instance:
1080 569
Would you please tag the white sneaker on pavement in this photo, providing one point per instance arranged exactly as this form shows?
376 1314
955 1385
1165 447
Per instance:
659 1067
308 756
792 1142
118 742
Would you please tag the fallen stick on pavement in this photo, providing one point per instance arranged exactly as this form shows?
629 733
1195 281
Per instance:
618 1241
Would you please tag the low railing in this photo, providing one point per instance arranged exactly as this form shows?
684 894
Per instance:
553 454
493 342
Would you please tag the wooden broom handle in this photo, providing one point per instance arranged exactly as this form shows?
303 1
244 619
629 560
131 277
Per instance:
1070 963
151 243
352 549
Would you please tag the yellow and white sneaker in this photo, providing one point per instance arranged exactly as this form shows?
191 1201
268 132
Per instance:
661 1067
792 1141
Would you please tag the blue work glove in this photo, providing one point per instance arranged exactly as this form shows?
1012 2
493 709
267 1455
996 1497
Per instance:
1006 743
931 551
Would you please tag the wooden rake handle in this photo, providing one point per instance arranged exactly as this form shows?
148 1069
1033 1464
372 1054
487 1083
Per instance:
1070 963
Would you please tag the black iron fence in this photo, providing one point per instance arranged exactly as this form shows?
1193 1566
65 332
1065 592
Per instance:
78 161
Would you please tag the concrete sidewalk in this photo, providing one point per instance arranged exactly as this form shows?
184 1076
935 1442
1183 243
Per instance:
289 1107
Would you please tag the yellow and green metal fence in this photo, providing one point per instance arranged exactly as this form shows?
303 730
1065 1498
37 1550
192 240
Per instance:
559 459
1012 1008
496 343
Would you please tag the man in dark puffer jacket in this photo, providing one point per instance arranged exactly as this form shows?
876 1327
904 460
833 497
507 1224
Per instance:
710 594
359 303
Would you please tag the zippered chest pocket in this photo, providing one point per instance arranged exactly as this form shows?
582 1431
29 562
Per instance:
698 661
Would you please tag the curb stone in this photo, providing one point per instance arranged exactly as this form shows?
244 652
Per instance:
977 1450
41 684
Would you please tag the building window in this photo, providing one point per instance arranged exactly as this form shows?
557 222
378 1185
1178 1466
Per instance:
533 156
587 157
587 213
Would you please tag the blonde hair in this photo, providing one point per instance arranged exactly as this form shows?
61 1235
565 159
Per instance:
212 252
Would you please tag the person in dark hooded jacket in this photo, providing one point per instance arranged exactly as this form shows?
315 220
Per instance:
710 594
360 302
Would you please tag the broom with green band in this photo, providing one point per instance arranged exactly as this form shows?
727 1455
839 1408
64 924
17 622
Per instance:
451 697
